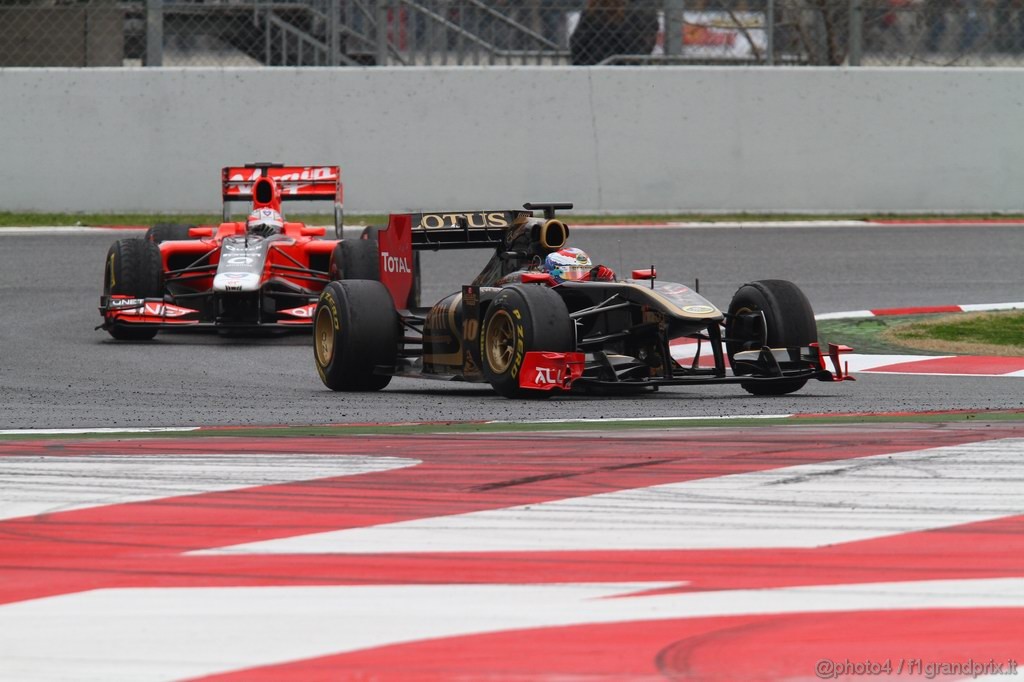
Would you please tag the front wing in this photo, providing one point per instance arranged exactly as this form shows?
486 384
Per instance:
160 314
565 371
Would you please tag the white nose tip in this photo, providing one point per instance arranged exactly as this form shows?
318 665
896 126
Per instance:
236 281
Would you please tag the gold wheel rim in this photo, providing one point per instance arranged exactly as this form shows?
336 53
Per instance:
324 336
499 340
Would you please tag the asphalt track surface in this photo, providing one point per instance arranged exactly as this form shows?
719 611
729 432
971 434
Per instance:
57 372
787 552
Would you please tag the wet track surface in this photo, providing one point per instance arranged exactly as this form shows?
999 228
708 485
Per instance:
56 371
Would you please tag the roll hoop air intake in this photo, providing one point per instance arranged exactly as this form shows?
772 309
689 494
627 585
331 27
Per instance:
551 235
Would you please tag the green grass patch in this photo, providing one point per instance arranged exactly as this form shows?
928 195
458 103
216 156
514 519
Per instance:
471 428
993 333
870 334
12 219
27 219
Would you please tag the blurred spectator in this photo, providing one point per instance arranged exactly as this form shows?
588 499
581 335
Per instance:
970 15
552 20
1009 21
935 20
613 27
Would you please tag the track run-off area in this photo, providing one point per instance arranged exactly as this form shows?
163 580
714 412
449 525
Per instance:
435 531
710 552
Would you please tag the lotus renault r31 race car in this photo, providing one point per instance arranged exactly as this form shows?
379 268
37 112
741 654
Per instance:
527 334
245 274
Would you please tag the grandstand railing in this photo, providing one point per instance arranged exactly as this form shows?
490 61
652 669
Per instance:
492 32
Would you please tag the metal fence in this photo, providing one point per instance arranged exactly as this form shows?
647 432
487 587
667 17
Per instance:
482 32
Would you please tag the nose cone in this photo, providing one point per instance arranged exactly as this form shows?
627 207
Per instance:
236 281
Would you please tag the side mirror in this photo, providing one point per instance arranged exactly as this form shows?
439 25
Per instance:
310 231
647 273
200 232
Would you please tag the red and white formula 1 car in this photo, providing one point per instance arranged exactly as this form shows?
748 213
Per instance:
255 273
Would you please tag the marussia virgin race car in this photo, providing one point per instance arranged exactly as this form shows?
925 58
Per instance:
526 334
227 276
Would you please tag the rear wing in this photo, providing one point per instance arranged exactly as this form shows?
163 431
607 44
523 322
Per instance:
407 232
291 183
442 230
467 230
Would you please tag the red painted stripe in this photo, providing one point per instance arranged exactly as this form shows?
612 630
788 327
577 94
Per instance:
980 222
966 364
143 543
919 310
752 648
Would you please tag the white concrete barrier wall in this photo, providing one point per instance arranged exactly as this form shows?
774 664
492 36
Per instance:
609 139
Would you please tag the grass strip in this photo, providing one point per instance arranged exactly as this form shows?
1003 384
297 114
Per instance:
470 428
984 333
31 219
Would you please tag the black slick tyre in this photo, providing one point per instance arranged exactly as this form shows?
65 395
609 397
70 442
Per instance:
788 320
522 318
163 232
355 330
355 259
133 268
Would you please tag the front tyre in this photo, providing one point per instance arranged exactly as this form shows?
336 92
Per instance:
164 232
133 268
355 330
773 313
522 318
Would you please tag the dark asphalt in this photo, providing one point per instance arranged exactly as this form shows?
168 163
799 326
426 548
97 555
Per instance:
56 371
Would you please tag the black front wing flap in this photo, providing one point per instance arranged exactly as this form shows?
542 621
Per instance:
764 365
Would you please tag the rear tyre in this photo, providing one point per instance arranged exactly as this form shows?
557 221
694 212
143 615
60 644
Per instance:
355 259
163 232
133 268
788 321
355 329
522 318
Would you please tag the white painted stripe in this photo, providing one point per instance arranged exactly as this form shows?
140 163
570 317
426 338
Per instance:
865 363
854 362
727 417
153 635
49 484
63 229
943 374
969 307
802 506
844 315
722 225
982 307
112 429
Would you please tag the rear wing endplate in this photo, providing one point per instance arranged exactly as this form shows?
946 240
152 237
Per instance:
409 232
294 183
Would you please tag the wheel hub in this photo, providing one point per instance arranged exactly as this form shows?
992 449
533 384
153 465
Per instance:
324 336
499 342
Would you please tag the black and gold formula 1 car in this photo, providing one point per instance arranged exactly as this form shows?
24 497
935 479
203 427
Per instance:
528 335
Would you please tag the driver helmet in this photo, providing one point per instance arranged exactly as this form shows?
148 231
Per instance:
569 264
265 222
